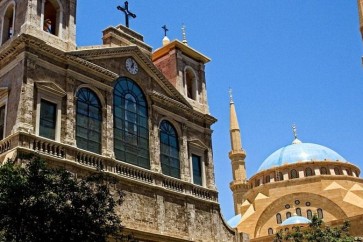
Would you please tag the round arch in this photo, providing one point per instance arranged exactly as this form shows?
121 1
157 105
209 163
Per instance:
272 209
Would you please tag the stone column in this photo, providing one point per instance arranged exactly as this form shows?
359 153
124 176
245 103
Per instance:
184 156
160 213
70 125
108 135
154 142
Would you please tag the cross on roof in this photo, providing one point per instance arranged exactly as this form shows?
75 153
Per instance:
165 29
126 12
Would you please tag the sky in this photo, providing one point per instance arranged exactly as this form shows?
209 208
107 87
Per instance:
287 62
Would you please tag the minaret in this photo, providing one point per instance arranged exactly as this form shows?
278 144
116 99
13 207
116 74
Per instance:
237 156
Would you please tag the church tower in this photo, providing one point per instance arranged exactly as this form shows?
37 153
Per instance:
184 67
237 156
53 21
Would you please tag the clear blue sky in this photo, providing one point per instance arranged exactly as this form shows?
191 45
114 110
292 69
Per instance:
286 61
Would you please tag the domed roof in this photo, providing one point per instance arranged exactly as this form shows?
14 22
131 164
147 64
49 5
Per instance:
295 220
300 152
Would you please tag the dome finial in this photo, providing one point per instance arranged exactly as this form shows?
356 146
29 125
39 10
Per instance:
294 130
184 35
230 95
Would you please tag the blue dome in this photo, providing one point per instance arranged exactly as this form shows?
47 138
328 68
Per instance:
295 220
300 152
234 221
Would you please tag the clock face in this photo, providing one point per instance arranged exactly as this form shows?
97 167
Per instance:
131 66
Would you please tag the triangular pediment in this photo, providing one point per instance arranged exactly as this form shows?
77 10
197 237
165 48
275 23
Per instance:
197 143
51 88
110 58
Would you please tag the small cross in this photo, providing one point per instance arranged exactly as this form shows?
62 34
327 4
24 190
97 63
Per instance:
126 12
165 29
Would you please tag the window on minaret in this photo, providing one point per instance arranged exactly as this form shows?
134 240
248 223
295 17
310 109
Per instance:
288 215
47 120
169 150
8 23
309 214
197 170
52 16
131 132
270 231
89 121
191 84
298 211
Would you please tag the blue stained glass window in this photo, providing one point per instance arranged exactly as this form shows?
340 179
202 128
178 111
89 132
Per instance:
131 132
89 121
169 150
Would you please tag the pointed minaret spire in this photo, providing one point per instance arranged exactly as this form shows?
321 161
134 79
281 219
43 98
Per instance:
184 35
237 156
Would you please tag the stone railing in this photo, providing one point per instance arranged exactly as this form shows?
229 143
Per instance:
68 153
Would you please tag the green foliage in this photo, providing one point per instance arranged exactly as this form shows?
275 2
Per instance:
316 231
38 203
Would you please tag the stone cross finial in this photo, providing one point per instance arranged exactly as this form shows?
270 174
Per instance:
126 12
165 29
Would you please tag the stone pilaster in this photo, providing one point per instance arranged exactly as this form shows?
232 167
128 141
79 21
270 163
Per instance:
184 155
108 127
160 213
154 143
70 125
190 210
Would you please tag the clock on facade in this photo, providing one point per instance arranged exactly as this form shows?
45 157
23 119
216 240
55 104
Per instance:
131 66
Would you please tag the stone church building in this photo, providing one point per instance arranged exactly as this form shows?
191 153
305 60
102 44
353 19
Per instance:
139 115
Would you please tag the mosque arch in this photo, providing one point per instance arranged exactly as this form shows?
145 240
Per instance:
271 210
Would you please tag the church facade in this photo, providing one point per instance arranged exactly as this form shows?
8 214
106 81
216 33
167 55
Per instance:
138 115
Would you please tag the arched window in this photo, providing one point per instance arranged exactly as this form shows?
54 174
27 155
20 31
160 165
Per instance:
320 213
270 231
267 179
191 84
288 215
257 182
279 176
8 23
337 171
89 121
294 174
298 211
309 214
323 171
309 172
278 218
52 16
349 172
169 150
131 133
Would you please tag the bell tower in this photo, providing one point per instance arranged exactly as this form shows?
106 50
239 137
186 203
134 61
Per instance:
53 21
184 67
237 156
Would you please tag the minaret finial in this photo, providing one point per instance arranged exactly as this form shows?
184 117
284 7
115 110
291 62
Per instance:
184 35
294 131
230 95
